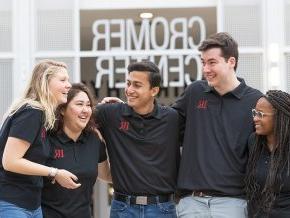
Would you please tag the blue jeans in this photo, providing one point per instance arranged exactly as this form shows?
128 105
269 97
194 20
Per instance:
212 207
121 209
8 210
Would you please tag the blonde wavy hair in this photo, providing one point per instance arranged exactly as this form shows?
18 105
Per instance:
37 93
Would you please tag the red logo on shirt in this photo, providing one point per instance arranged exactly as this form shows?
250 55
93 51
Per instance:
124 125
43 134
202 104
58 153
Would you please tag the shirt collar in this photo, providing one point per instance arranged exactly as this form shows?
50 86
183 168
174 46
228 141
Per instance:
238 92
156 113
63 138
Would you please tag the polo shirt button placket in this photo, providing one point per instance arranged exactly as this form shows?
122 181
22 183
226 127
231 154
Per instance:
142 128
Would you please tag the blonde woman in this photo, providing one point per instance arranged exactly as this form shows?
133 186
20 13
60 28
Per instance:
23 143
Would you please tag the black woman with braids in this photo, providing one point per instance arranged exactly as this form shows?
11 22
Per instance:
268 171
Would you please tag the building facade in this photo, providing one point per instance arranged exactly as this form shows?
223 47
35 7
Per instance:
99 38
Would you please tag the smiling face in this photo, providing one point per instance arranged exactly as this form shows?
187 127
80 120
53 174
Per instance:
59 86
216 69
140 95
77 113
264 125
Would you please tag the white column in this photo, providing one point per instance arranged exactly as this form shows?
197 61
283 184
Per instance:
101 206
77 70
21 45
274 43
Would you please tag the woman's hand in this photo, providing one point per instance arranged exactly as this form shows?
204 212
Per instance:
67 179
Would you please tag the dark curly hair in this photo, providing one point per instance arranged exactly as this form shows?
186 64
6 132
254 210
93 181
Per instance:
261 199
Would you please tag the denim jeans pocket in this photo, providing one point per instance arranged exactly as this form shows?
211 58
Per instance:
118 206
167 207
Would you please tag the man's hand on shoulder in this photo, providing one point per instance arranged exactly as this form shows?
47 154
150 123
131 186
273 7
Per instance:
111 100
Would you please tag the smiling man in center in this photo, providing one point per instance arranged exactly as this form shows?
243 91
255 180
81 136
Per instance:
143 145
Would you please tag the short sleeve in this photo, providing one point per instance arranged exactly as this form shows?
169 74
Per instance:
103 154
26 124
105 114
181 103
100 115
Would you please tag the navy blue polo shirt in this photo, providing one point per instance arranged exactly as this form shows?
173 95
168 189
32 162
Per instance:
217 128
23 190
281 207
143 150
80 158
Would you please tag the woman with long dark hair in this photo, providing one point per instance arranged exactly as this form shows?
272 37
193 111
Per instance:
268 171
76 145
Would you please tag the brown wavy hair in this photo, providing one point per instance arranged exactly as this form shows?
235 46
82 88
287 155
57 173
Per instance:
75 89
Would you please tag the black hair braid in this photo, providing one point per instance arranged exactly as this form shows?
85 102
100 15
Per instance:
262 200
280 100
253 189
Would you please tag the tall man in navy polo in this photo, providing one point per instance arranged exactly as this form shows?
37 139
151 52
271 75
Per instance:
142 138
218 122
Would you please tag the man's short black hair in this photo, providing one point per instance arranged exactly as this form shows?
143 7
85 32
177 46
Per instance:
151 68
